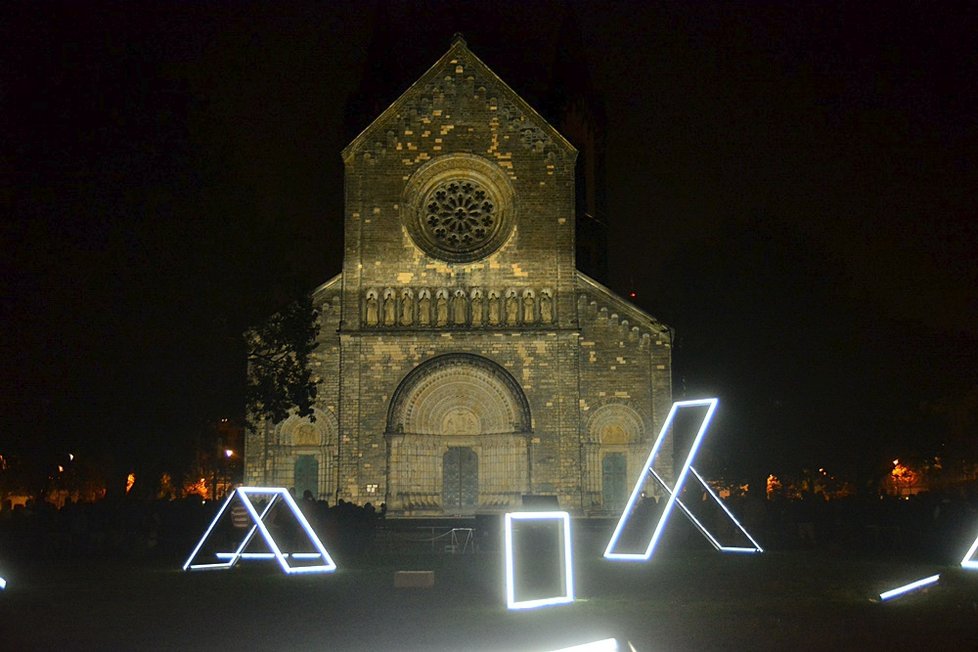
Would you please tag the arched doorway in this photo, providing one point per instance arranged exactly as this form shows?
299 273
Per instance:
457 433
615 451
306 474
460 479
614 489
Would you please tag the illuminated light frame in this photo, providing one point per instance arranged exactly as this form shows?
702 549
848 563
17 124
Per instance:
3 583
711 405
277 493
702 528
906 588
604 645
564 517
967 561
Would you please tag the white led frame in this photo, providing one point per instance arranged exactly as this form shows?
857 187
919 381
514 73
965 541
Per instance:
673 500
906 588
564 517
967 561
604 645
276 493
3 583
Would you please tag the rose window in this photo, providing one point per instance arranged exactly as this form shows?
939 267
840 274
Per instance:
459 215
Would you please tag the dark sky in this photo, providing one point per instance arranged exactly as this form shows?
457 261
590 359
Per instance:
792 186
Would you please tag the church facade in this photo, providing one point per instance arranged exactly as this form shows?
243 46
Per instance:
463 361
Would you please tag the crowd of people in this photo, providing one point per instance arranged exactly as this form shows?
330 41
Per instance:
936 525
132 527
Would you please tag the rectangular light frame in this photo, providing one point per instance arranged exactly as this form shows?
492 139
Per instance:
568 564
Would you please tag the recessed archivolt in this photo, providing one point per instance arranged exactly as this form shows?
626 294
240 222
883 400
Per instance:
458 394
616 424
300 431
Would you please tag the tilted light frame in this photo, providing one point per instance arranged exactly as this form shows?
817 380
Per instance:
710 404
258 525
568 565
3 583
906 588
967 561
673 499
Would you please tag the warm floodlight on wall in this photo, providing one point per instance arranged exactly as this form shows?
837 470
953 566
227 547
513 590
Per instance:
907 588
673 492
564 561
969 560
275 496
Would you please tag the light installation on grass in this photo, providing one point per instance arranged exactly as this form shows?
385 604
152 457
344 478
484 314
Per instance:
674 492
969 561
906 588
3 583
604 645
566 561
276 495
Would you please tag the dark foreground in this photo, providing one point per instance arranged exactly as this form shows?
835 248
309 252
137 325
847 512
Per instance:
698 600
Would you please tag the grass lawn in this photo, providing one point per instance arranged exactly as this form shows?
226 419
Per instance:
699 600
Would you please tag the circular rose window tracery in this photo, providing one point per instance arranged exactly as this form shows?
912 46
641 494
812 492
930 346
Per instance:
459 207
459 215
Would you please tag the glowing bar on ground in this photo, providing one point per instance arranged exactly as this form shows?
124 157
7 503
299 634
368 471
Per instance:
568 570
258 521
3 583
711 405
604 645
913 586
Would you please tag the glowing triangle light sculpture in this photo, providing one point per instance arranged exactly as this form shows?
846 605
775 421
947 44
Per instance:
969 562
674 492
275 496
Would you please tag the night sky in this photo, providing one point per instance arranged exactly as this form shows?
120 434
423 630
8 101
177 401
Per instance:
791 186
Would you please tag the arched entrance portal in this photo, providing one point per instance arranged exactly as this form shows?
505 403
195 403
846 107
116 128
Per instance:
457 432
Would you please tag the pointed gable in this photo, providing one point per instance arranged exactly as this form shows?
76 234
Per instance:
459 81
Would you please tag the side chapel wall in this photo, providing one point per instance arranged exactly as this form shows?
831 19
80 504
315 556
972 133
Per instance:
625 360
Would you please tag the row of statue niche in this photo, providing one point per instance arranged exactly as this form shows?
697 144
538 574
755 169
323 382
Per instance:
457 308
